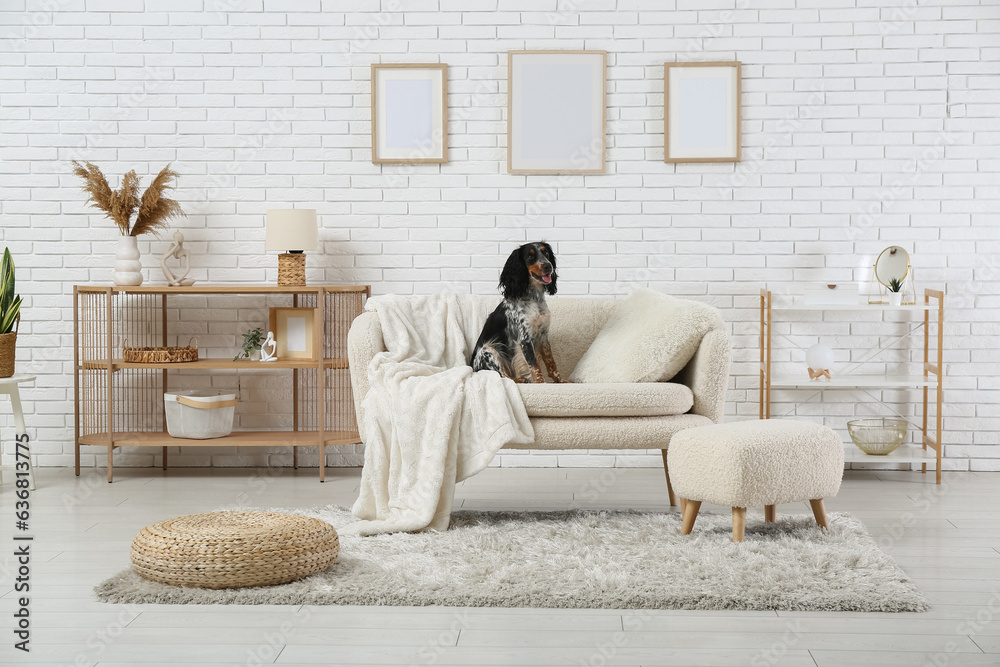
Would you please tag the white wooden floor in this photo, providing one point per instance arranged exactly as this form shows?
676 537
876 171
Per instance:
947 538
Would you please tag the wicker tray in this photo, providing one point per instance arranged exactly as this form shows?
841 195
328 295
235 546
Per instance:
160 355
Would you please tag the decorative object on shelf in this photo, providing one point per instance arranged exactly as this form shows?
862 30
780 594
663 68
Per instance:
198 414
160 355
895 292
556 112
291 231
831 294
294 329
269 348
251 343
877 436
10 315
133 214
409 113
179 252
892 263
819 358
701 112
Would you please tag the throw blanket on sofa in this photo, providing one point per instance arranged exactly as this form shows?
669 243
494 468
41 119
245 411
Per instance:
429 420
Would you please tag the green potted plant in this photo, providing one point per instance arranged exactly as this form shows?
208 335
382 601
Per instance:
10 315
895 292
252 340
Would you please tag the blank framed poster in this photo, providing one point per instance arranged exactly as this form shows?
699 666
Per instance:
701 112
409 113
556 112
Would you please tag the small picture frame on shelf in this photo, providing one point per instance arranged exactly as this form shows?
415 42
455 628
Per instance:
409 113
701 112
294 333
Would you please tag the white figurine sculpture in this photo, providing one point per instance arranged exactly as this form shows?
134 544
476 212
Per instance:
177 251
269 354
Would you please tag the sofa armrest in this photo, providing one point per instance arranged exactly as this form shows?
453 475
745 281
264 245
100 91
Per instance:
364 341
707 374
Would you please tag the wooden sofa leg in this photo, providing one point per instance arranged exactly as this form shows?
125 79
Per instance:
670 489
691 508
819 511
739 523
770 512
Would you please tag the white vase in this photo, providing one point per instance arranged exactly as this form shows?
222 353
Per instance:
895 298
128 267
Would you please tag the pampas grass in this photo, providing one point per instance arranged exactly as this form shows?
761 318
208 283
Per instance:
151 211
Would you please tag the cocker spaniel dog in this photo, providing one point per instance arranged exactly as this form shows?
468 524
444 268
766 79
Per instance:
516 334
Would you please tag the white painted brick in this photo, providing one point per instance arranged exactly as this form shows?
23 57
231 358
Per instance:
270 104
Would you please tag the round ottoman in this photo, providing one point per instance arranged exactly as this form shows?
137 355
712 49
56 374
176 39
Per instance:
234 549
764 462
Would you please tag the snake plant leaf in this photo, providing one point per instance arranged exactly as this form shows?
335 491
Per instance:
10 305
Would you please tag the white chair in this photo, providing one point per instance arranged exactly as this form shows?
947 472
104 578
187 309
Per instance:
9 386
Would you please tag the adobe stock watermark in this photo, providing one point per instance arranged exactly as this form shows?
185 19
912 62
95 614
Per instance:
969 627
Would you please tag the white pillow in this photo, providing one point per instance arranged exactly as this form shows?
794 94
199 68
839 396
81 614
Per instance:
649 338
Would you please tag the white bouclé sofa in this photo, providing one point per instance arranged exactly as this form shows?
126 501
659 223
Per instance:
591 416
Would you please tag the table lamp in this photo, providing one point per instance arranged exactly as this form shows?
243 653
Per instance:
291 231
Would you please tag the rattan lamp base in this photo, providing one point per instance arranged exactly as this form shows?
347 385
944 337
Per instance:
292 268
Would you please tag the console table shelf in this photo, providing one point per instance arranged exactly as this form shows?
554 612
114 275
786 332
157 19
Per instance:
929 379
125 399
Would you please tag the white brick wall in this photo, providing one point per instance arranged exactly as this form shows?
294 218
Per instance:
865 123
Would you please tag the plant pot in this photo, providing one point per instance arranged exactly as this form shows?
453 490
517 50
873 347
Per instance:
128 267
8 343
895 298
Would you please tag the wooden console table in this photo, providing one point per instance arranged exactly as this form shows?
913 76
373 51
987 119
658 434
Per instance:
120 404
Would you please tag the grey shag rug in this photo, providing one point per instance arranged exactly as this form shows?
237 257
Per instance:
584 559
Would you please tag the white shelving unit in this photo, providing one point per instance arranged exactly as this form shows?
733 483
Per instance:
930 450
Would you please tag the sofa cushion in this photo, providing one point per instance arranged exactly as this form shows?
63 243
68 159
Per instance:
606 400
649 338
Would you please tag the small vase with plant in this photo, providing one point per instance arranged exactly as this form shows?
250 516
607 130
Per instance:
252 341
10 315
134 215
895 292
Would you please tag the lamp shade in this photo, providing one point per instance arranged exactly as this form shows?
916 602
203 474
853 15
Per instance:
291 229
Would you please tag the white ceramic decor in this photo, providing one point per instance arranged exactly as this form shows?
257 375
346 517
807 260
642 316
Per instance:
128 267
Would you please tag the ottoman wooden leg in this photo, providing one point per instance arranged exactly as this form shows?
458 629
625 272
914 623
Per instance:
770 513
691 508
819 512
739 523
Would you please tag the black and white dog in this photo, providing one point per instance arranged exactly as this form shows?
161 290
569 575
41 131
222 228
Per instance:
516 334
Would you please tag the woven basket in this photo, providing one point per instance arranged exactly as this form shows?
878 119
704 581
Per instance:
292 268
160 355
234 549
8 344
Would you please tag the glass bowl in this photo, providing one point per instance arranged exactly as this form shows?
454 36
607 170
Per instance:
877 436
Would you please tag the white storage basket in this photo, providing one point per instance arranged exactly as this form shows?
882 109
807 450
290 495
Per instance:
199 415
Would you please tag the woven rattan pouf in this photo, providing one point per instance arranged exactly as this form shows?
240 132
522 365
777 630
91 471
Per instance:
234 549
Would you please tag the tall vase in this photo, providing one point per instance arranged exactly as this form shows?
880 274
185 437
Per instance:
128 267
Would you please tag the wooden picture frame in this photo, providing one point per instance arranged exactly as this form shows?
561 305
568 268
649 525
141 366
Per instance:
556 112
701 112
409 113
294 333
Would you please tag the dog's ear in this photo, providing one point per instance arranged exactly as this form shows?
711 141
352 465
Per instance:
514 280
551 256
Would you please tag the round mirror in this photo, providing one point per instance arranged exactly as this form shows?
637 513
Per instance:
893 262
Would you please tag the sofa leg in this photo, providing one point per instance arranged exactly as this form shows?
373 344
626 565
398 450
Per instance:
819 511
739 523
770 512
670 489
691 508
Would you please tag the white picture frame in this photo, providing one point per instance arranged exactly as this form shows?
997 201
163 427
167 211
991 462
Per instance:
701 112
409 119
556 112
